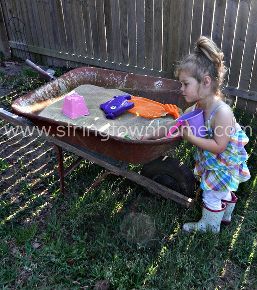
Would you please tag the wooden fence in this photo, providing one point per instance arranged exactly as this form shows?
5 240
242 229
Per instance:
143 36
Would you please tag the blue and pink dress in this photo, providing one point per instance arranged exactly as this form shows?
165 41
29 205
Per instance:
226 170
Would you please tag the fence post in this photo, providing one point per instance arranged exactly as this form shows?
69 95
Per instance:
4 43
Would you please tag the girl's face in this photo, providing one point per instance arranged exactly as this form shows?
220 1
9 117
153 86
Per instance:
191 88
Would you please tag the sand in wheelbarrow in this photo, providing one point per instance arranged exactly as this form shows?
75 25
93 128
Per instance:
127 125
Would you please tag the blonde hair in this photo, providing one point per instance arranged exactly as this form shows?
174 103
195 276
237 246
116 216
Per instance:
206 59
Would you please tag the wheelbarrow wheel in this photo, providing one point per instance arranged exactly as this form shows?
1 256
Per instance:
171 173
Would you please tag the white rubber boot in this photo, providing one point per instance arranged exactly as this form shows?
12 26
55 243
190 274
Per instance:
210 221
226 220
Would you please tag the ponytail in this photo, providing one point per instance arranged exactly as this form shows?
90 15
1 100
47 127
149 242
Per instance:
206 58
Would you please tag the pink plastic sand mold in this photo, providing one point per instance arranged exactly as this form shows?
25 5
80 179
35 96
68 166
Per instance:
74 106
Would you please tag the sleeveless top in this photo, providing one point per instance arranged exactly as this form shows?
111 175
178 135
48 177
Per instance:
223 171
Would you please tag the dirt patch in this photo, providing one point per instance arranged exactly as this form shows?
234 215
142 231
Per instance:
230 276
11 68
8 70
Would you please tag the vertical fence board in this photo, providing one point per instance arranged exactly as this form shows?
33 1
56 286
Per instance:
56 43
67 15
4 44
253 84
94 28
33 26
149 39
238 46
196 22
250 46
124 31
186 27
61 35
109 32
166 35
79 46
101 28
27 25
218 22
23 53
116 45
140 20
228 34
16 27
132 36
174 40
49 25
87 28
6 17
35 37
157 52
208 17
43 23
36 30
75 27
47 28
58 32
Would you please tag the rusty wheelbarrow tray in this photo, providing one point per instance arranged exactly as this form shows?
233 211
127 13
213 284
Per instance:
116 153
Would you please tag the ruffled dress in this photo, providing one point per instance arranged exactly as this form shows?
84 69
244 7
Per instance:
226 170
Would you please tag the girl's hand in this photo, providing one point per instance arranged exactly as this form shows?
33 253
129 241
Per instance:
185 131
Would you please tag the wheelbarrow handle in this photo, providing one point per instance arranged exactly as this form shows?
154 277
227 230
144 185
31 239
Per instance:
14 119
39 70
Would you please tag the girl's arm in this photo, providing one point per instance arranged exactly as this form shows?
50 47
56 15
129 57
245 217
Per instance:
223 123
160 132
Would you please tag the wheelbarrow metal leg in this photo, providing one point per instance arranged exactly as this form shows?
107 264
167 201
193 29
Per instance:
59 152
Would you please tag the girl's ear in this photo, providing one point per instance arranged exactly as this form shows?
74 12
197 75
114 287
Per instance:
207 81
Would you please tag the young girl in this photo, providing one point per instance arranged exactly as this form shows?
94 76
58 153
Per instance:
221 157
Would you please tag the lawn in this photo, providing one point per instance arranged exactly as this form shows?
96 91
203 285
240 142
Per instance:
118 232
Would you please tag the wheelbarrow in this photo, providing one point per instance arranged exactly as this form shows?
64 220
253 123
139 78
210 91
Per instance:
160 174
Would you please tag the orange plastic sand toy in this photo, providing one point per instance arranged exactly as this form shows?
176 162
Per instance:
150 109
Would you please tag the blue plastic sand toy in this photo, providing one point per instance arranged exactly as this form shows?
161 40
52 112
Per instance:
116 106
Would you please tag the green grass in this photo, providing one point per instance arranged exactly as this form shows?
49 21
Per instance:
3 165
51 241
18 84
